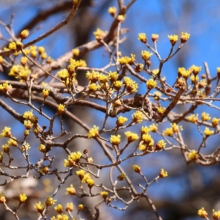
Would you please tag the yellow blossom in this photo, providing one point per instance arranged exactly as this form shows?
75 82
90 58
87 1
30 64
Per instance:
5 87
39 206
137 117
215 122
193 155
184 37
50 201
173 39
153 127
22 198
59 208
112 11
90 182
61 108
215 214
145 130
168 132
146 55
80 173
93 132
28 115
93 87
163 173
24 34
2 198
93 76
142 147
130 85
202 213
121 18
1 156
161 110
195 69
142 37
205 116
6 132
45 93
75 156
151 83
118 84
69 207
80 207
99 34
42 148
193 118
71 190
131 136
104 194
63 74
208 132
75 52
160 145
115 139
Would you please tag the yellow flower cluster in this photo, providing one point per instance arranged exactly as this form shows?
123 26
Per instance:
71 190
112 11
137 117
202 213
115 139
142 37
163 173
19 71
99 34
93 132
121 120
193 155
127 60
72 159
151 83
130 85
146 55
131 136
171 131
104 194
5 87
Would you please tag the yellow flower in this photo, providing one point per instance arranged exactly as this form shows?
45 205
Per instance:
183 72
173 39
193 155
5 87
216 214
80 207
142 147
160 145
151 83
193 118
146 55
121 18
63 74
24 34
42 148
80 173
76 52
153 127
115 139
39 206
61 108
28 115
168 132
6 132
208 132
142 37
104 194
145 130
28 124
69 207
71 190
90 182
184 37
59 208
195 69
130 85
1 156
137 117
99 34
160 110
163 173
50 201
205 116
215 122
147 139
2 198
45 93
93 87
112 11
136 168
93 132
75 156
12 142
22 198
131 136
202 213
118 85
12 46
